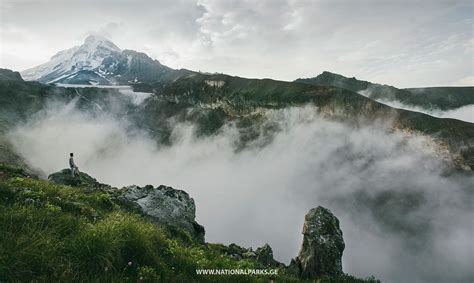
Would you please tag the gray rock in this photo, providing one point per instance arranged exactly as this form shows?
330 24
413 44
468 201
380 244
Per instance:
164 205
249 254
81 179
265 256
321 252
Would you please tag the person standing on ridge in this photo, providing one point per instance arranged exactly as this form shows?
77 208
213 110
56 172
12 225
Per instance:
72 165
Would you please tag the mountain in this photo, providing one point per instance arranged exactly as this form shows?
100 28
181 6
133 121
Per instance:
98 233
211 100
100 61
442 98
9 75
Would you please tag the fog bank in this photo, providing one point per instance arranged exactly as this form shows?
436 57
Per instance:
463 113
402 221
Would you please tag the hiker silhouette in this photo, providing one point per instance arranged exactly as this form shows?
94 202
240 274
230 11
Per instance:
72 165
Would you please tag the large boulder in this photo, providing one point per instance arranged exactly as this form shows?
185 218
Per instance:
321 252
164 205
80 179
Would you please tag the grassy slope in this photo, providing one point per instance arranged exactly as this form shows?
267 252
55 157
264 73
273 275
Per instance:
58 233
443 98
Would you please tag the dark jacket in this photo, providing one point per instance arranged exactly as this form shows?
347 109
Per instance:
71 163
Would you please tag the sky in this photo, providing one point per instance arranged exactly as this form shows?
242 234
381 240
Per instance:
401 43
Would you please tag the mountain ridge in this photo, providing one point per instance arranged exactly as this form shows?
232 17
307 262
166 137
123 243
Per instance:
442 98
217 99
221 98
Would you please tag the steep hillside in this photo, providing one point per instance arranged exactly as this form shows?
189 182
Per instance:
6 74
92 232
211 100
239 97
443 98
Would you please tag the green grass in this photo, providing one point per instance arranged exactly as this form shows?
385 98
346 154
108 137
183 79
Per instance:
59 233
52 233
443 98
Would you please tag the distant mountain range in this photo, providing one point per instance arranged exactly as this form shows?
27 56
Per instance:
98 61
218 98
443 98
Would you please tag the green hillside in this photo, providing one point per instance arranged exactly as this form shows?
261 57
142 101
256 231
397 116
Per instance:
443 98
237 97
211 100
54 233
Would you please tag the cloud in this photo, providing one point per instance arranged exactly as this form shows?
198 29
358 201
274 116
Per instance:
466 81
381 41
464 113
403 221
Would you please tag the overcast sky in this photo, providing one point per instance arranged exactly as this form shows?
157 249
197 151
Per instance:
402 43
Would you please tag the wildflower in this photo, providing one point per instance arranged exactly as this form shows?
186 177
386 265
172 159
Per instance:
106 269
141 278
129 263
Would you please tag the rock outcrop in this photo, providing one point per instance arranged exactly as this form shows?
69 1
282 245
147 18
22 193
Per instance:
321 252
80 179
265 257
164 205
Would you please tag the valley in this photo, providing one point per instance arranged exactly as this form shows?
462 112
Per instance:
257 154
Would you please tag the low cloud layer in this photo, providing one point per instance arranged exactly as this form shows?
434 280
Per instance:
402 221
464 113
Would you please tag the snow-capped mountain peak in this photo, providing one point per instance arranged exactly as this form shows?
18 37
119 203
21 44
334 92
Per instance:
67 63
99 61
95 42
